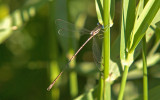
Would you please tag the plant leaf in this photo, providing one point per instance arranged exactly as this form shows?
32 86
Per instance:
143 22
126 27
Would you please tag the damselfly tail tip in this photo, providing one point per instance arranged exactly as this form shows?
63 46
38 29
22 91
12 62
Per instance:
50 87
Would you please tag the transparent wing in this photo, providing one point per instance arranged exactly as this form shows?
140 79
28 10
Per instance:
68 29
96 53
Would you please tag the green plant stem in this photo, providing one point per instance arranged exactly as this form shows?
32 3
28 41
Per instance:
100 91
123 83
106 6
145 76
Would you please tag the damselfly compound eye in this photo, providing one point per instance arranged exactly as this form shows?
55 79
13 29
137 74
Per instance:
98 23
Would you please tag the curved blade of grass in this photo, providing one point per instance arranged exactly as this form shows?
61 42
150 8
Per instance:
99 10
112 11
143 22
153 29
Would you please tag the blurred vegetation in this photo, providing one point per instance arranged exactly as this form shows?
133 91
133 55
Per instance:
32 53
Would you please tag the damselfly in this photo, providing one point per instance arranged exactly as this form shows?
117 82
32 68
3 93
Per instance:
94 32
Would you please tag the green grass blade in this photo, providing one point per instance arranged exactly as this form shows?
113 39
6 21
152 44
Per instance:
139 8
143 22
112 11
127 23
99 10
128 18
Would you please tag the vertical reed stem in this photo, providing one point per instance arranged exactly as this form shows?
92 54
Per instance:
107 86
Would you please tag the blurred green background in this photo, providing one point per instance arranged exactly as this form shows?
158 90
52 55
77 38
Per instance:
32 53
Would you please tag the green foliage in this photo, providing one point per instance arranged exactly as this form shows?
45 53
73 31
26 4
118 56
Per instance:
130 39
32 53
99 11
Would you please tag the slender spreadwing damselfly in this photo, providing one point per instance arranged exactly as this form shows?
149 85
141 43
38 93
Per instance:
63 25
